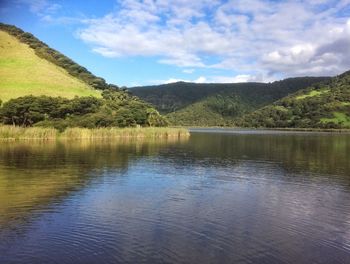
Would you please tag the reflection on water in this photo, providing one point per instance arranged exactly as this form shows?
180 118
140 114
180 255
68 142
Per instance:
214 198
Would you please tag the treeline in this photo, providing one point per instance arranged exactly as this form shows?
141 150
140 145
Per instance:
114 109
44 51
323 105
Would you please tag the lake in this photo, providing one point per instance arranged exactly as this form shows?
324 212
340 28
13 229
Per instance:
220 196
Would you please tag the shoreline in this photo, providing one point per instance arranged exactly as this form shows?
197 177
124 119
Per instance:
14 133
318 130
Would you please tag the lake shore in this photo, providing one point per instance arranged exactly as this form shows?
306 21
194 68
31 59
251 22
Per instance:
40 133
328 130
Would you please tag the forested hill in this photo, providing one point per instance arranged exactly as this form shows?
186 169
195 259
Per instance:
217 104
324 105
174 96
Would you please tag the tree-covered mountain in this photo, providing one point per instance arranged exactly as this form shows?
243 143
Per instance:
322 105
217 104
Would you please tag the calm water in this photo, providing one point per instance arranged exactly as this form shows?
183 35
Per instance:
242 197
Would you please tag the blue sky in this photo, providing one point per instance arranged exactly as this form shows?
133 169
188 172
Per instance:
145 42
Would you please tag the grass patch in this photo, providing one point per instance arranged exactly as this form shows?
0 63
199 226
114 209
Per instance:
22 72
339 118
312 94
21 133
15 132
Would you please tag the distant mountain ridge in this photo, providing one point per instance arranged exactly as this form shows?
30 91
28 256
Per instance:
194 104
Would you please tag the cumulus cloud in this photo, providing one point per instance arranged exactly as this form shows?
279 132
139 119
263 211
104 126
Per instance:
251 36
261 39
241 78
329 55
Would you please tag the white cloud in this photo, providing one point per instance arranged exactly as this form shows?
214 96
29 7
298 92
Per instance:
250 37
40 7
235 79
329 55
188 71
218 79
200 79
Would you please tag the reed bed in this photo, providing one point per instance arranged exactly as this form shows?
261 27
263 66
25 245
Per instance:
101 133
18 133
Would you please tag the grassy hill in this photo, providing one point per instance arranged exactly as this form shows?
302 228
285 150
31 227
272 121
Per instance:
40 86
22 72
324 105
217 104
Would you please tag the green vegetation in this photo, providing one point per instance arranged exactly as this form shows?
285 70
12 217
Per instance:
311 94
22 72
217 110
26 133
323 105
341 119
114 109
43 51
217 104
16 132
43 88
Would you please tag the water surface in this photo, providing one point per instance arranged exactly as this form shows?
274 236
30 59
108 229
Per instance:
232 197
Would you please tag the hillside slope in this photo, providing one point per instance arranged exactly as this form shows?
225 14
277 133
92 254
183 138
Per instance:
217 104
174 96
22 72
42 50
325 105
216 110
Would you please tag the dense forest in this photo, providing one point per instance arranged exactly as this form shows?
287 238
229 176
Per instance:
322 105
217 104
114 109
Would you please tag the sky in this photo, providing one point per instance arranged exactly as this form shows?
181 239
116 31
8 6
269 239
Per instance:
147 42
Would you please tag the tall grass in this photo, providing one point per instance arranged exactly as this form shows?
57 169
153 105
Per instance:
17 133
149 132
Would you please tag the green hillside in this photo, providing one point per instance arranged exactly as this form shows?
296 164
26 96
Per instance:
40 86
215 110
22 72
324 105
217 104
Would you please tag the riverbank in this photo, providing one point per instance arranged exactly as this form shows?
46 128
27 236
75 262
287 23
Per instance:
26 133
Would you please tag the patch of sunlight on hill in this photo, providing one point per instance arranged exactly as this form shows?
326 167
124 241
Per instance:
312 94
339 118
22 72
